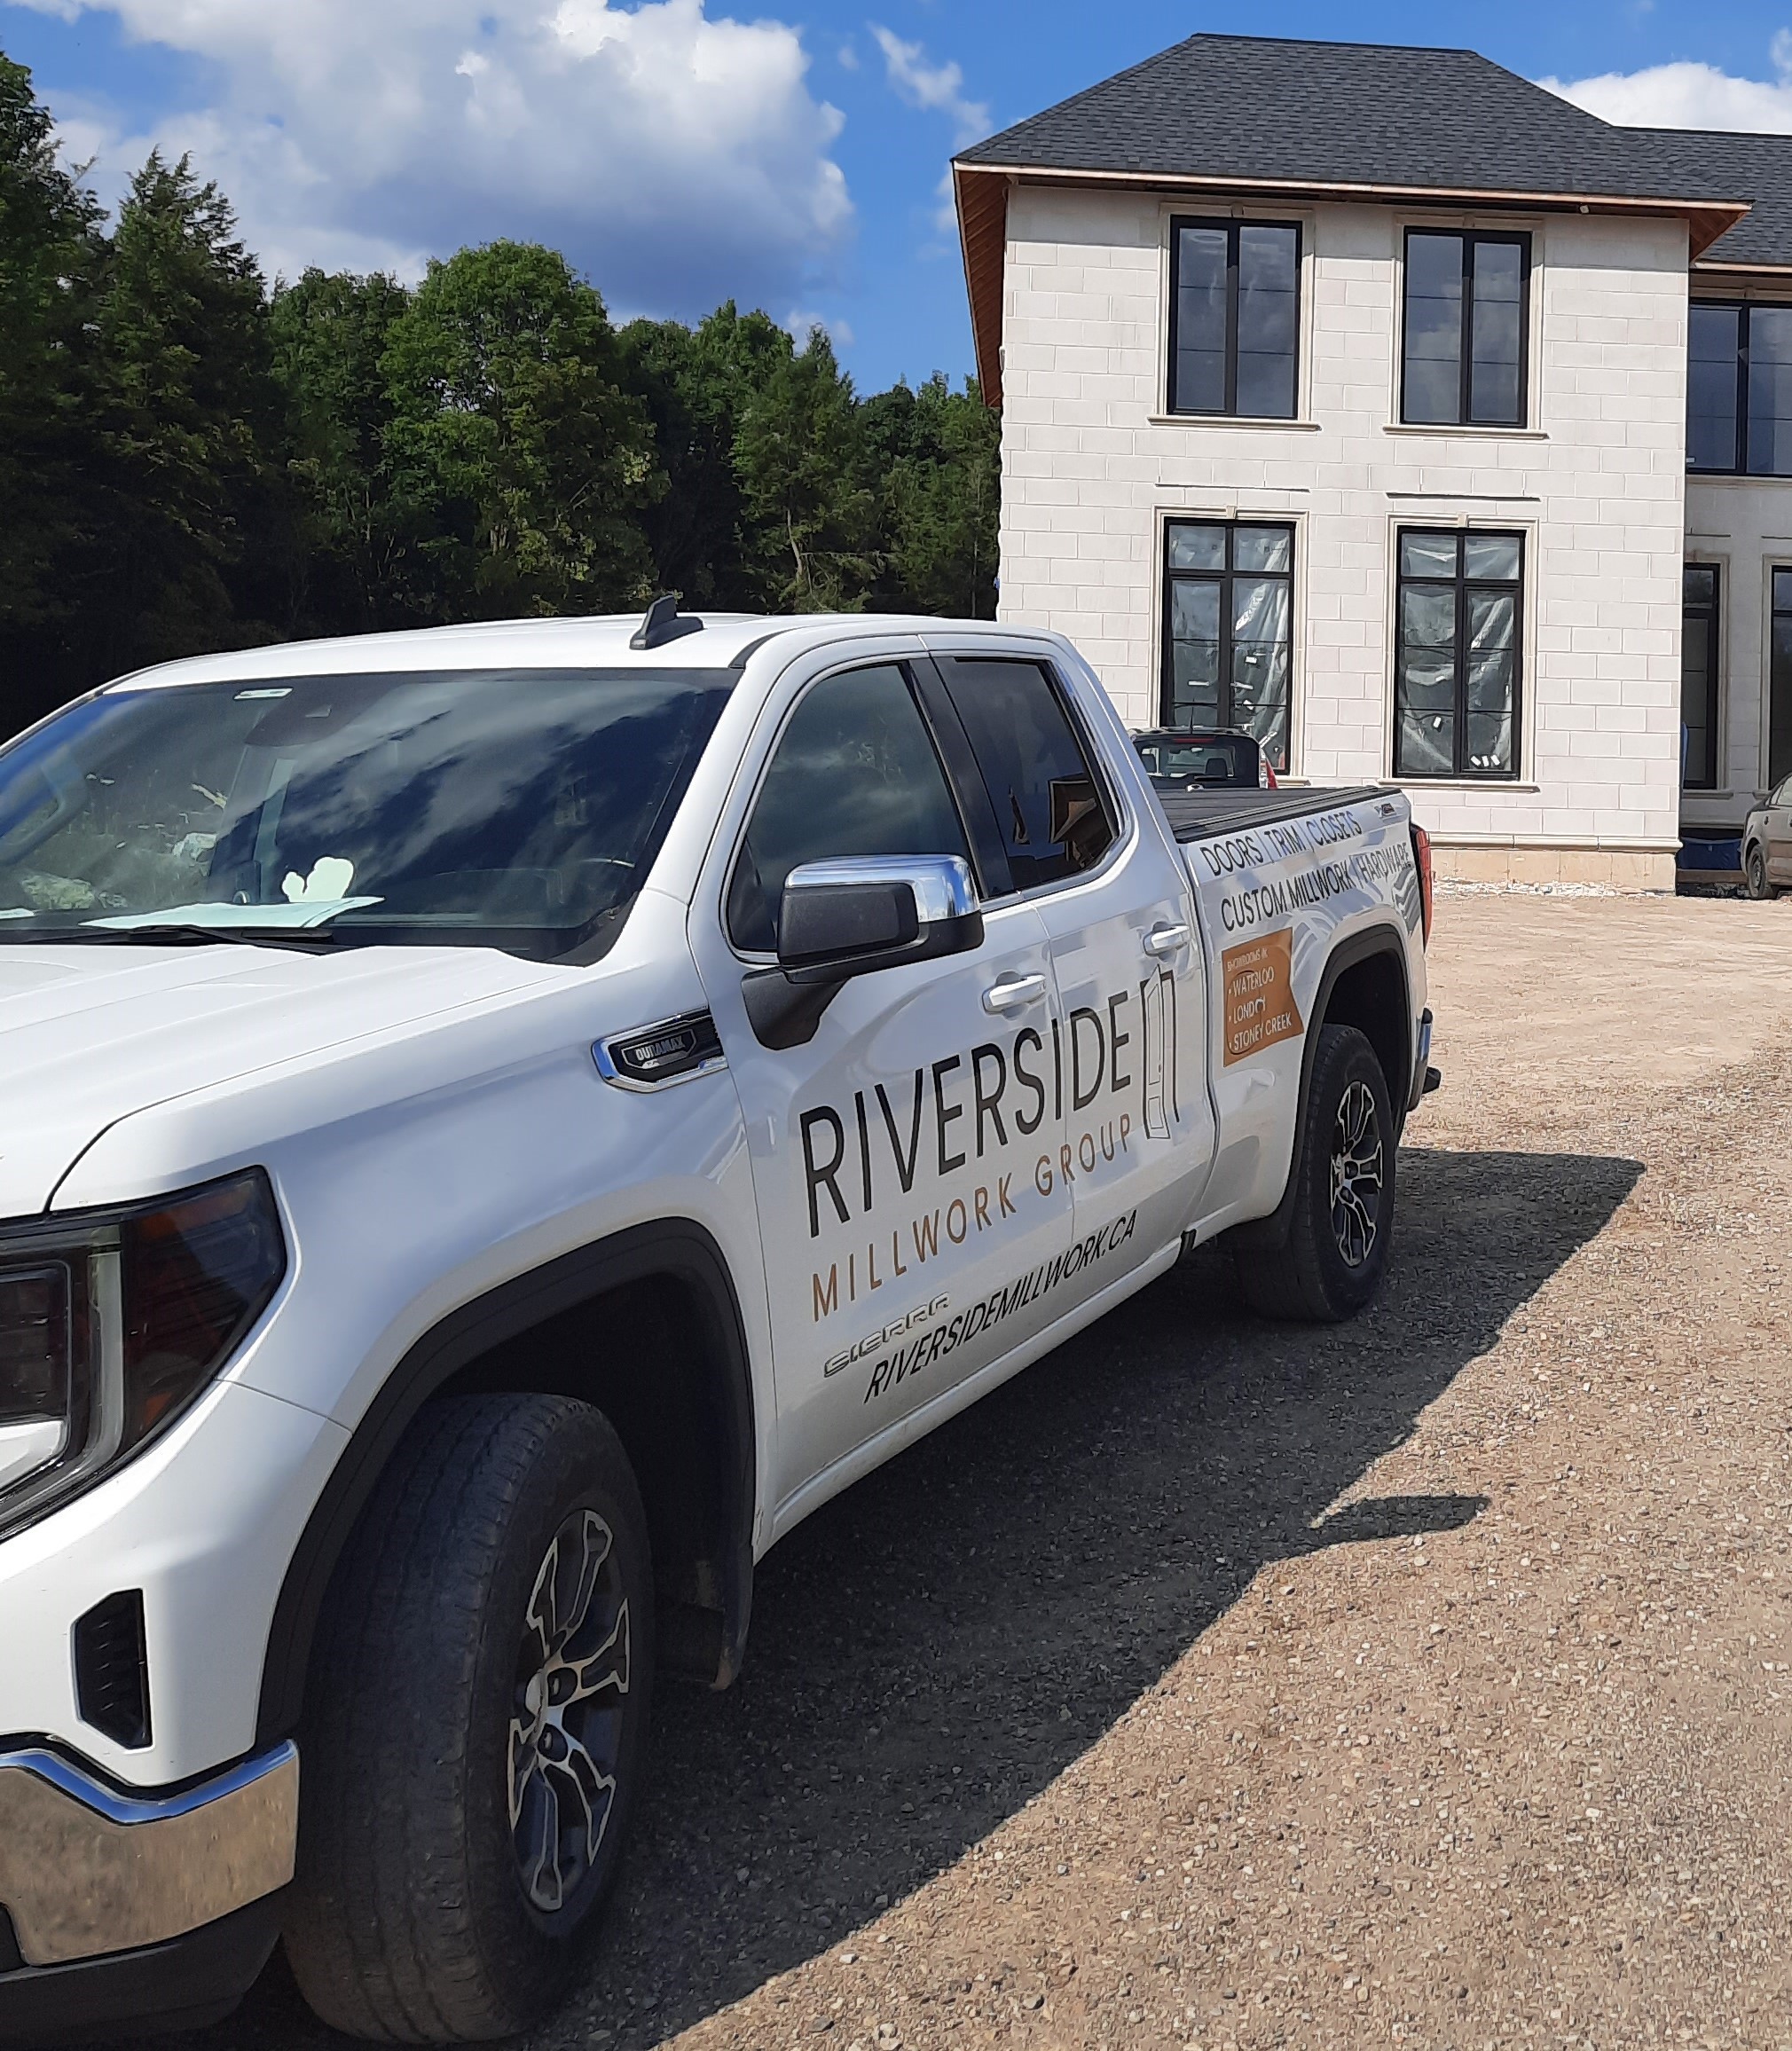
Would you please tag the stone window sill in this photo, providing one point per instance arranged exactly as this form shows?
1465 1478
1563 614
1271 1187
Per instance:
1230 421
1505 785
1467 433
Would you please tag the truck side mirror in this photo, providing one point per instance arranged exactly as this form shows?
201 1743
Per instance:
852 917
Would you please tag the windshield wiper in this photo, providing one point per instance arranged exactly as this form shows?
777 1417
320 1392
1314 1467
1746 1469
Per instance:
170 936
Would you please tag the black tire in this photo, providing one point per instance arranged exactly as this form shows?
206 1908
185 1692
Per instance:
1755 881
1336 1252
415 1918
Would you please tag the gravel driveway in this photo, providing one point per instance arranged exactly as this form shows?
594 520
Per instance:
1426 1681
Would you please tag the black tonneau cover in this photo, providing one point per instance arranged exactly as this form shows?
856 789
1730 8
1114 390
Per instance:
1201 814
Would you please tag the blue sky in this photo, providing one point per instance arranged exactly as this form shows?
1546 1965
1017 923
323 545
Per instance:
681 154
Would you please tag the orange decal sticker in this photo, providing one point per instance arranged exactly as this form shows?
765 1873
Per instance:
1259 980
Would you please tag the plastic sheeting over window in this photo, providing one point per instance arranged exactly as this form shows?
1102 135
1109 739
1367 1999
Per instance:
1229 640
1458 647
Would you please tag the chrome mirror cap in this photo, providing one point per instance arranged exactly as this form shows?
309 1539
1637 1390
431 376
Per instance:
942 883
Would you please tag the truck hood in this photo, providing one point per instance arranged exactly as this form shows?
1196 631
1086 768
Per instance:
89 1034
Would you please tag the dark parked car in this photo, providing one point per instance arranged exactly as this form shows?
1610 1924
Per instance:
1190 758
1767 844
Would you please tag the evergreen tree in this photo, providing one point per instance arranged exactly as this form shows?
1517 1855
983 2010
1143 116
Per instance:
356 545
696 384
524 464
943 481
51 256
191 422
797 455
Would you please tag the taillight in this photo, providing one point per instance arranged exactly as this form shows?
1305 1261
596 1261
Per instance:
1421 856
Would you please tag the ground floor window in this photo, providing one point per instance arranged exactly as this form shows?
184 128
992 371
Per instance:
1699 676
1780 682
1456 654
1229 630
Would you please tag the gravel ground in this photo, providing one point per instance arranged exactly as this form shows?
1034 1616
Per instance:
1427 1681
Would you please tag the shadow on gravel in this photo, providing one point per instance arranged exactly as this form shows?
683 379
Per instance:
933 1647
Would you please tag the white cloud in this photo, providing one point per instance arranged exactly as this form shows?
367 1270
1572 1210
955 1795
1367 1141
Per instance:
676 155
1689 95
937 87
799 326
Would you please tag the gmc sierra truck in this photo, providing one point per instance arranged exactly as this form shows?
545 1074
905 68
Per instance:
496 1126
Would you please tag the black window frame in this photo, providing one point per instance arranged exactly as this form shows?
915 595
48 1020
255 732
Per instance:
1470 238
1224 576
1463 583
1779 760
1744 310
1710 611
1230 228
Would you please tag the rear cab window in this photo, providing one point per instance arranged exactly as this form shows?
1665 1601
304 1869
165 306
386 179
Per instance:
1052 814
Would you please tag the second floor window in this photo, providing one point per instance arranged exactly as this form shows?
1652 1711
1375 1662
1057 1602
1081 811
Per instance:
1463 352
1739 390
1234 317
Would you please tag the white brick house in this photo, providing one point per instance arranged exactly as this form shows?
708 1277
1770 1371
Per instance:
1344 395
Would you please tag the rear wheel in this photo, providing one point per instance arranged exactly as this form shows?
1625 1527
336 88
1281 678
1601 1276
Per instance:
1755 873
481 1690
1336 1252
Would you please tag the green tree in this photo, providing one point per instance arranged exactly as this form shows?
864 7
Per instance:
940 458
797 452
514 448
191 417
51 256
696 384
357 544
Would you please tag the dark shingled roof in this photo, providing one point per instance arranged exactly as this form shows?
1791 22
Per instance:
1251 108
1758 168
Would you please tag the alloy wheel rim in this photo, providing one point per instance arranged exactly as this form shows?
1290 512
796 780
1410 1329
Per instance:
1356 1175
572 1681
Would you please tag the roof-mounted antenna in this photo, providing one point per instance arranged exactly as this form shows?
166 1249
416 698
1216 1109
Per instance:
663 624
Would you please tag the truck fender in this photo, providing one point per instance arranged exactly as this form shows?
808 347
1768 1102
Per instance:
1371 943
676 1249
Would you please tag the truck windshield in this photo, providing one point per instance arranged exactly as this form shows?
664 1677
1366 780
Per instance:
518 809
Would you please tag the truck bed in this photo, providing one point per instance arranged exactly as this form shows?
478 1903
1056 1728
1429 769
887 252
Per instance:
1200 814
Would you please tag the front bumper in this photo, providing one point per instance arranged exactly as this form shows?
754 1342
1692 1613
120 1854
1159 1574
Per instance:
121 1893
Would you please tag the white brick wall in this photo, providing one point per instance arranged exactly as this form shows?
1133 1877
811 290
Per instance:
1597 484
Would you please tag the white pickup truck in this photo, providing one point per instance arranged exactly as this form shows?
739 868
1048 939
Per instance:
497 1125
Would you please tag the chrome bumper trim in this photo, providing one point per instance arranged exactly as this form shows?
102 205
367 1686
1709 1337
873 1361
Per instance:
85 1870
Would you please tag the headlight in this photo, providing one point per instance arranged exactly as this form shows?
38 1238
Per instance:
112 1322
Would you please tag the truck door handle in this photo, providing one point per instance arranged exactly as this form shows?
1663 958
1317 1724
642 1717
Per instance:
1013 992
1163 940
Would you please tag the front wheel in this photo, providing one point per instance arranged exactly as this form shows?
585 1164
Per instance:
1336 1253
1755 873
476 1725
